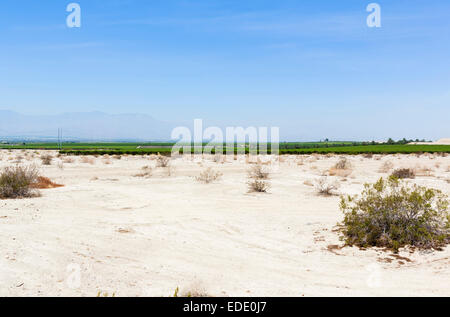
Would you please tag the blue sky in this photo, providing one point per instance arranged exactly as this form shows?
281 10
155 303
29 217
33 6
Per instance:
311 67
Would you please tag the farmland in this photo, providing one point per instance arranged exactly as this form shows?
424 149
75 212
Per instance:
295 148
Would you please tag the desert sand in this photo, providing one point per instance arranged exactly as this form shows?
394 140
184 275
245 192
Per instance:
146 236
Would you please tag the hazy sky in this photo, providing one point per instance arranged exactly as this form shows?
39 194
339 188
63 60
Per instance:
312 67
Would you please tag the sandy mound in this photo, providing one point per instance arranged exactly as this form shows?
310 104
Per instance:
443 141
438 142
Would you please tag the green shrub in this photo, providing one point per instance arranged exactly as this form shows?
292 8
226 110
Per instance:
15 182
393 214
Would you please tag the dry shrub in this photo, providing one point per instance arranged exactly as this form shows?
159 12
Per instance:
258 172
208 176
423 171
448 169
68 160
87 160
343 164
326 187
106 162
342 168
258 186
386 167
44 183
46 159
339 172
162 161
146 171
194 292
218 158
402 173
117 157
15 182
393 214
368 155
308 182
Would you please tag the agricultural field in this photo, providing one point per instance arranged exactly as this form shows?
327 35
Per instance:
292 148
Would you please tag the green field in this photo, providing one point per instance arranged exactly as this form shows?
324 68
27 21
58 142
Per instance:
285 148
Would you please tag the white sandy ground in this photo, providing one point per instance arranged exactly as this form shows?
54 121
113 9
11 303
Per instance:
438 142
147 236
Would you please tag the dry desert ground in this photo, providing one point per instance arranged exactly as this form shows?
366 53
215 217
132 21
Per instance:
112 231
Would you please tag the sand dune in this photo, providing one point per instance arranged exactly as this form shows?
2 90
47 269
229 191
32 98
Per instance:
137 236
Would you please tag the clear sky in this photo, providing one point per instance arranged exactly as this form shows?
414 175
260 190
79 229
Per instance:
312 67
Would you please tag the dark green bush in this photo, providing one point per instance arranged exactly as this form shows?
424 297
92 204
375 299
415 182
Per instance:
393 214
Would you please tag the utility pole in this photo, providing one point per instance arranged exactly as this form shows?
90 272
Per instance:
60 135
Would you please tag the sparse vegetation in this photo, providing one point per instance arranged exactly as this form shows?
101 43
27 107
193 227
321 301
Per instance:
146 171
393 214
325 187
343 164
208 176
258 172
386 167
190 293
162 161
87 160
17 181
423 171
258 179
403 173
46 159
68 160
258 186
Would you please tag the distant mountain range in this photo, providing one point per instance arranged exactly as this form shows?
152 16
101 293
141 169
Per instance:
96 126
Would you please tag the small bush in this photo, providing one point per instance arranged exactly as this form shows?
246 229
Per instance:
258 186
46 159
146 172
343 164
68 160
326 188
402 173
392 214
88 160
423 171
386 167
208 176
16 182
339 172
258 172
162 161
